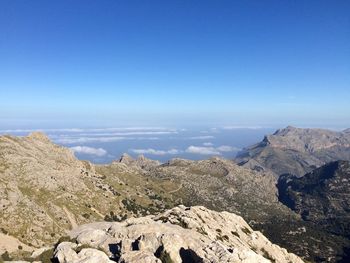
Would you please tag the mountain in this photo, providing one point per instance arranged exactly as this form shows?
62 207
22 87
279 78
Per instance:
321 196
296 151
182 234
45 192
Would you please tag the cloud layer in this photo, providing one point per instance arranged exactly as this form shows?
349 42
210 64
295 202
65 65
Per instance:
204 137
89 150
209 150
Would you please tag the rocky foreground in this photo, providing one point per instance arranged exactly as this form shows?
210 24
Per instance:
181 234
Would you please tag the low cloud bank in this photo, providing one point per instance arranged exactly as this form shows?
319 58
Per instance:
206 150
89 150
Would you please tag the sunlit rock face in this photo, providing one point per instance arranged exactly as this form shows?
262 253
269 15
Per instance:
193 234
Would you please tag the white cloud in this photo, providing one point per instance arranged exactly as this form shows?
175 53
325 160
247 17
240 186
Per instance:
70 140
64 139
129 133
202 150
155 152
207 144
209 150
89 150
205 137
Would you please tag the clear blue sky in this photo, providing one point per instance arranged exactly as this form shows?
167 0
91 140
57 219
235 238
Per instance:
71 63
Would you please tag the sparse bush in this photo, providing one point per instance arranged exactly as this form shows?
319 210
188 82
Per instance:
267 255
4 231
246 230
87 216
5 256
46 256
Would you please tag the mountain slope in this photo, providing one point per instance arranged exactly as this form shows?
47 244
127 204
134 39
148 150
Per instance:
321 196
45 190
296 151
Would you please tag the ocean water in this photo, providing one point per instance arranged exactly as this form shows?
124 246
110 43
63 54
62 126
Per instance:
103 145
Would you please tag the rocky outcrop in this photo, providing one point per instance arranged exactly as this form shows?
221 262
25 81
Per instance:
321 196
296 151
141 161
193 234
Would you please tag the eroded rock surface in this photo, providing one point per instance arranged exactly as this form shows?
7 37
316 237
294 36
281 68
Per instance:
181 234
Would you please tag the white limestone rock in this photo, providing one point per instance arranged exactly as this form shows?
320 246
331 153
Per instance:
180 234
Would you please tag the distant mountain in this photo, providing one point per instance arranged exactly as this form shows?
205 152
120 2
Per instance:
296 151
322 196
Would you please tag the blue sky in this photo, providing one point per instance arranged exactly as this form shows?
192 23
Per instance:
108 63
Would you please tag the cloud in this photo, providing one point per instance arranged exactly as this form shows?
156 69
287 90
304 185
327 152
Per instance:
155 152
89 150
129 133
74 140
202 150
204 137
208 144
209 150
70 140
211 130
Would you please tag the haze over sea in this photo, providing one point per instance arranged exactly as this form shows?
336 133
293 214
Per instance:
103 145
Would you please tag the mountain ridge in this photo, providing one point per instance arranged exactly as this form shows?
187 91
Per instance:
296 150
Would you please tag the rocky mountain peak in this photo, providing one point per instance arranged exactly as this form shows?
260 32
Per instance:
297 151
284 131
140 162
141 157
126 158
39 136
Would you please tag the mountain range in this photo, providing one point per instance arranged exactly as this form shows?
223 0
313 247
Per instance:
45 192
296 151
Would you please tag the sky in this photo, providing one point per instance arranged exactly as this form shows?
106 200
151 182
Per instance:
174 63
